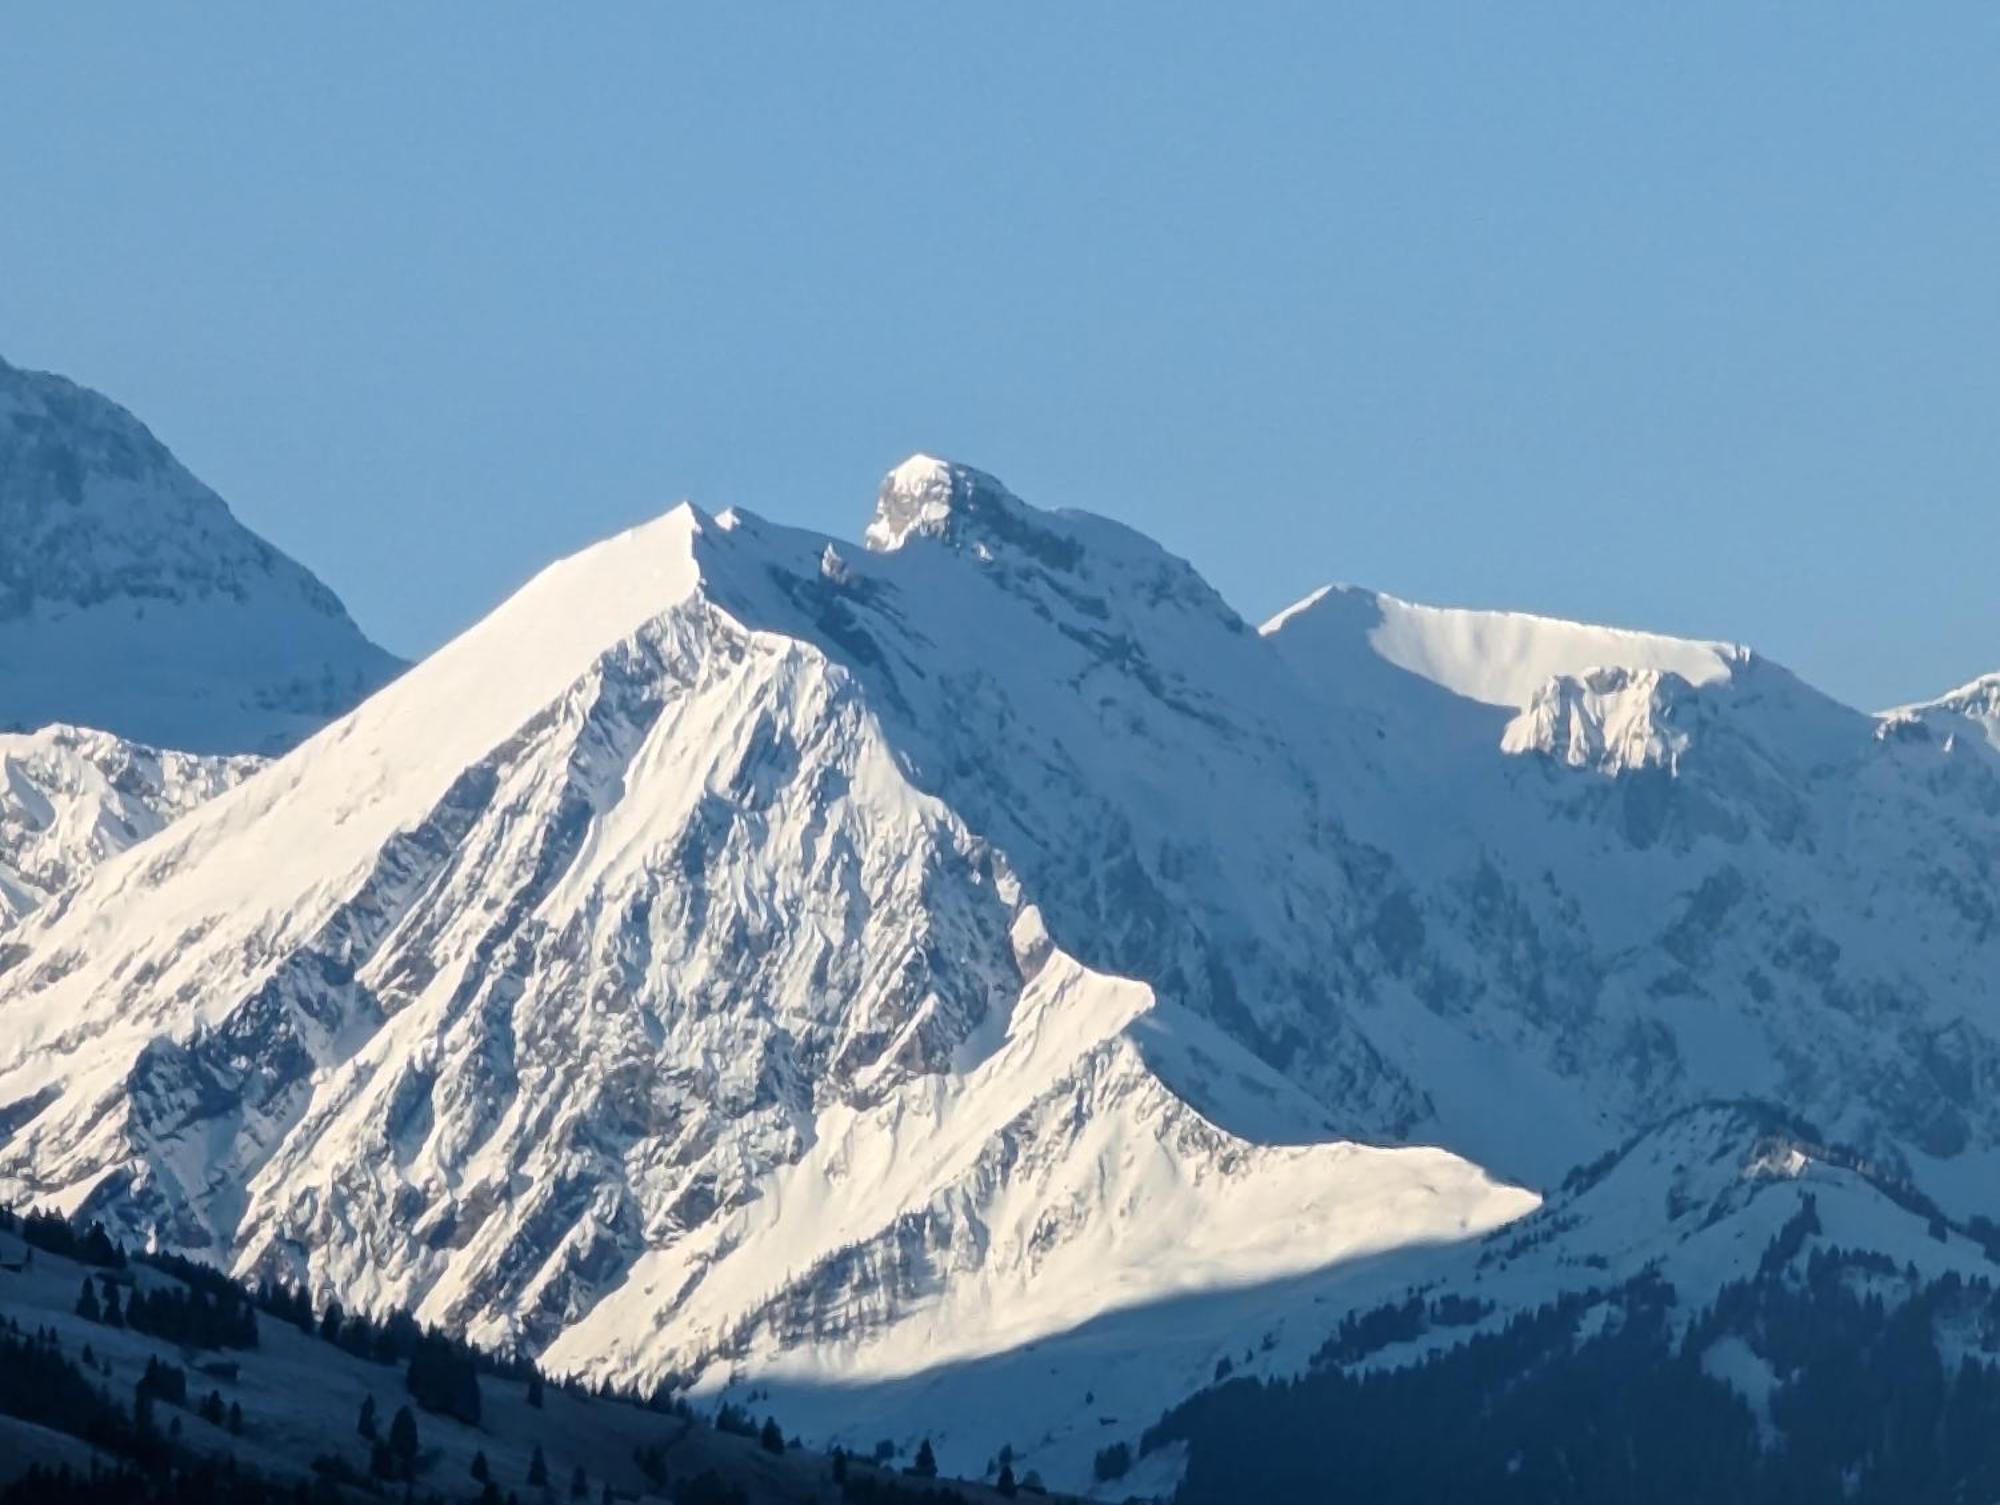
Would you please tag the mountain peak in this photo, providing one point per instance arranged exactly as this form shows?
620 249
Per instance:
193 631
926 497
1977 702
1985 690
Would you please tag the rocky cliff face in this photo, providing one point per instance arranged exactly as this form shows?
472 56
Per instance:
71 798
749 956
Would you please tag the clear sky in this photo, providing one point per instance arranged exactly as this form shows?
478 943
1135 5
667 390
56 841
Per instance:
1674 316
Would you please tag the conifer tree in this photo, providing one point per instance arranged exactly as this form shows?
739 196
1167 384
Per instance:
87 1305
443 1378
538 1469
403 1439
926 1465
366 1425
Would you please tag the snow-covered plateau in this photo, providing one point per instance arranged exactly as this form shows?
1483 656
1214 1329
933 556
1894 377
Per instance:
963 984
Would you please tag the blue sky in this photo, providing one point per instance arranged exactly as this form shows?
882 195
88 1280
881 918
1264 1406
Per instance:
1684 317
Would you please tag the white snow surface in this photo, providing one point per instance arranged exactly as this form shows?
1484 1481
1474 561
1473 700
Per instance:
70 798
1503 658
944 980
1973 708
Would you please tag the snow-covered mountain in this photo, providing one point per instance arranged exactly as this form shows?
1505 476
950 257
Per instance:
745 959
1724 1309
1973 708
70 798
132 601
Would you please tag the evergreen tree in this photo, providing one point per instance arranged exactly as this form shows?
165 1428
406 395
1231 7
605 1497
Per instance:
579 1486
926 1465
535 1388
366 1425
114 1316
96 1248
840 1465
235 1419
167 1381
770 1438
1005 1483
403 1439
479 1469
87 1305
442 1378
211 1408
538 1469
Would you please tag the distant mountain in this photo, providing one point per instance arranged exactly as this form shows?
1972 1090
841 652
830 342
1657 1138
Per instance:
1973 708
1723 1312
132 601
979 983
71 798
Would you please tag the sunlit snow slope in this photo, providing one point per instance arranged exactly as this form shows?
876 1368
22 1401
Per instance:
1973 708
70 798
750 958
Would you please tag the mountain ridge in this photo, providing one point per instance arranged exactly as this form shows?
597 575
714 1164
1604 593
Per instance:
133 601
571 961
73 797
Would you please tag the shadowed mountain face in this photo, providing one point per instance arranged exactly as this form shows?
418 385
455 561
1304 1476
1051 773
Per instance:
131 601
749 957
